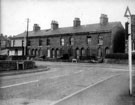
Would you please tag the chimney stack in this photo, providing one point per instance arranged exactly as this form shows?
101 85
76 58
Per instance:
76 22
36 27
54 25
103 19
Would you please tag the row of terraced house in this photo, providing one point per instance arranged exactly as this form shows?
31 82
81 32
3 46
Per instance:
76 41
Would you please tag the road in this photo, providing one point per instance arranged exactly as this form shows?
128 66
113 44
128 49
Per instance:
62 80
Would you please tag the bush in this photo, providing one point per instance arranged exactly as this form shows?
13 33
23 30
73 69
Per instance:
65 57
119 56
16 57
3 57
93 57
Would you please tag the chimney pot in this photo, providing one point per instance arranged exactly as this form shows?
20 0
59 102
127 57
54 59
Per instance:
76 22
36 27
103 19
54 25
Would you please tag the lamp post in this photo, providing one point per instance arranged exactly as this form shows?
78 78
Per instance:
128 15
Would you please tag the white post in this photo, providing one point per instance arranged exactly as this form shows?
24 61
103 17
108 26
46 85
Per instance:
130 56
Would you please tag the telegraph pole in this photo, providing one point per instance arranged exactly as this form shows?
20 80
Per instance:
27 32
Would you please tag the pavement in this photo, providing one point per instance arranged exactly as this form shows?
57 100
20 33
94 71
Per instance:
112 91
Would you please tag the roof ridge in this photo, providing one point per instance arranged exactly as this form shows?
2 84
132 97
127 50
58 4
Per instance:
70 29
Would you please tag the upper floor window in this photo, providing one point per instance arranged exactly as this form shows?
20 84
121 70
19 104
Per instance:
29 43
100 40
71 41
48 41
40 42
89 39
22 42
13 43
62 41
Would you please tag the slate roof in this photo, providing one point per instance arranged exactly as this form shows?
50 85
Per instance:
70 30
3 38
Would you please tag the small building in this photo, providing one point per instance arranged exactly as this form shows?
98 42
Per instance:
76 41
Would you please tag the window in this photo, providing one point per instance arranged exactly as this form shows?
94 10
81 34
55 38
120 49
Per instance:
16 51
48 42
57 53
13 43
71 41
48 53
53 53
29 43
107 51
88 39
40 42
70 52
32 52
100 40
22 42
77 53
88 51
39 52
36 52
99 52
82 52
62 41
29 52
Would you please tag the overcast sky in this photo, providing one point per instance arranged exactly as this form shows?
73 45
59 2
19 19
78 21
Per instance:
14 13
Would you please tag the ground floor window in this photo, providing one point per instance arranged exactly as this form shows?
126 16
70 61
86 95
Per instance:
29 52
53 53
70 52
48 53
107 50
33 52
88 52
57 53
77 53
82 52
39 52
99 52
16 51
36 52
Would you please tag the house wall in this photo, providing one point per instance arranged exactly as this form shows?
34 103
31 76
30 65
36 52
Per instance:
113 42
80 42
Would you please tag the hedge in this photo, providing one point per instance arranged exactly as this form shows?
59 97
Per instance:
12 65
119 56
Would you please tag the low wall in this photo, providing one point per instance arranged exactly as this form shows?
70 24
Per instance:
16 65
118 61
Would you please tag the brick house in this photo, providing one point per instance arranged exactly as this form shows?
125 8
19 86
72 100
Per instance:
76 41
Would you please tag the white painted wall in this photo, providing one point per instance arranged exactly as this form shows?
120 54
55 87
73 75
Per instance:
18 42
11 52
19 52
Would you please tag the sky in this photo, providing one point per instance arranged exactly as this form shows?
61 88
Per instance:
14 13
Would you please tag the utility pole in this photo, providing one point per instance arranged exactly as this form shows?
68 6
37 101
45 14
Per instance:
27 32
